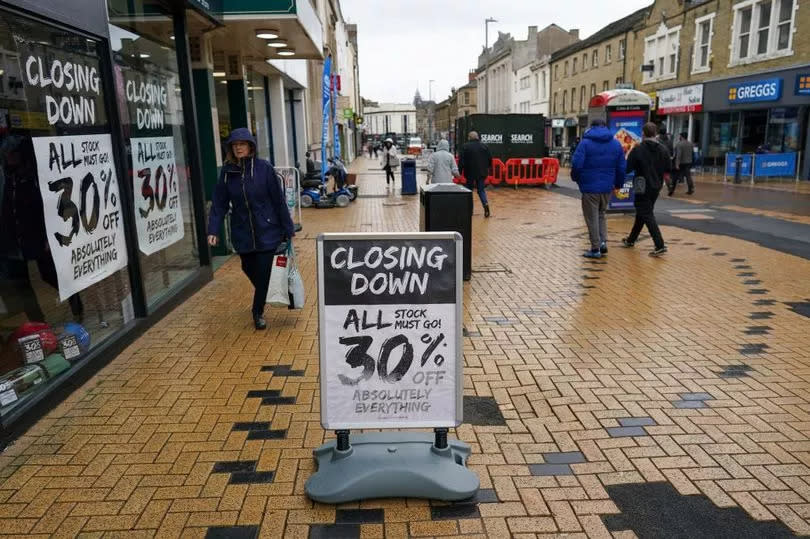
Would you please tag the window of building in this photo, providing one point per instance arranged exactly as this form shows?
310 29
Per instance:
573 99
783 125
466 98
556 72
146 57
574 66
619 81
605 86
593 90
608 54
582 97
622 46
64 283
661 51
554 106
543 85
595 58
564 100
565 69
585 62
762 29
704 27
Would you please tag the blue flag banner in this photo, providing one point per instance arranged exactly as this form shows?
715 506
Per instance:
335 108
327 93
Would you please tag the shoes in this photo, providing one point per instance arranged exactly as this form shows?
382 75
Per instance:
603 248
592 254
690 192
627 243
259 322
486 210
659 251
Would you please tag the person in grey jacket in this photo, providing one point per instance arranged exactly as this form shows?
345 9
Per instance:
442 166
683 164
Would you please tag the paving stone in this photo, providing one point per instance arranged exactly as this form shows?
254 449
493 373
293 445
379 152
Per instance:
568 457
235 466
482 411
550 469
263 393
695 396
282 370
622 432
267 435
242 478
232 532
334 531
636 421
251 425
359 516
761 315
690 404
454 511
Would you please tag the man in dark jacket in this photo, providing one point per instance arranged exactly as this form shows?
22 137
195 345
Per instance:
474 163
650 159
598 167
683 164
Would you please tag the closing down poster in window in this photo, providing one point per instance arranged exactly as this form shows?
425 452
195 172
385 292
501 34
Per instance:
82 208
390 330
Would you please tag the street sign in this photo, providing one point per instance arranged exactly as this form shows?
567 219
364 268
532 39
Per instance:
390 330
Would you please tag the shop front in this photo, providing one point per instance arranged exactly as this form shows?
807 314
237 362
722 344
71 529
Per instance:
101 202
764 114
681 108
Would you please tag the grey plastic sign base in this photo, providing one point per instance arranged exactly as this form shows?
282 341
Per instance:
392 464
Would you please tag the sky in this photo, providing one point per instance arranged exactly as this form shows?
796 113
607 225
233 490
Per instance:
405 44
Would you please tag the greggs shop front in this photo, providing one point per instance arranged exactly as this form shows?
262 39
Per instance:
101 201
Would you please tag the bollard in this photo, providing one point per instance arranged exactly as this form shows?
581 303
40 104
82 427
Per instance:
738 168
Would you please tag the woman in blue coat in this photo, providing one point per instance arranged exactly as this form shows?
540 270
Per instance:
260 221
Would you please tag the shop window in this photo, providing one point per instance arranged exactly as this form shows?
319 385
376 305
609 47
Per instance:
783 130
704 30
762 29
723 135
661 50
64 286
149 98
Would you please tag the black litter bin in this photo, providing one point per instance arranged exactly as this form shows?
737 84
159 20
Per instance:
447 207
408 176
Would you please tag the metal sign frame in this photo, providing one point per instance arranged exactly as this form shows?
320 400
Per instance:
459 359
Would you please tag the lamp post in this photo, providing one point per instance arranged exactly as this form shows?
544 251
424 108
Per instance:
430 111
486 72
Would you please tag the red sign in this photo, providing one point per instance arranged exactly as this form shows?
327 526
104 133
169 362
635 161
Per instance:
680 100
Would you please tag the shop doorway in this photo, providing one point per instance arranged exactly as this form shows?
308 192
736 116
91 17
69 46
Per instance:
754 126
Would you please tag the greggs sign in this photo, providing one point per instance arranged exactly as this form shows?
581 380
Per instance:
755 91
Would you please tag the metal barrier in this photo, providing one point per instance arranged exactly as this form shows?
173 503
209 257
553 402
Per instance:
290 179
762 165
529 171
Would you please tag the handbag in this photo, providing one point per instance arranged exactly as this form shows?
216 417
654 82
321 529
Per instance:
295 283
278 290
639 185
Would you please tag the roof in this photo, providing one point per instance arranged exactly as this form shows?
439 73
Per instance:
611 30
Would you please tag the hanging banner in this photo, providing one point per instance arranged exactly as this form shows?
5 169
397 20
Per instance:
390 326
158 215
80 197
326 92
335 117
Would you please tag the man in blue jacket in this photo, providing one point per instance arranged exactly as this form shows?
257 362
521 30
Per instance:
598 167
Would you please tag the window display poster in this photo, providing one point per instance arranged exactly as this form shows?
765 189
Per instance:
390 354
626 127
81 203
158 215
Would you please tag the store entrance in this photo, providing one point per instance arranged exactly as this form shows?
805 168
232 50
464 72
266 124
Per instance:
754 126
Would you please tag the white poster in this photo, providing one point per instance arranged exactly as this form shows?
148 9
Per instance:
81 201
390 353
158 215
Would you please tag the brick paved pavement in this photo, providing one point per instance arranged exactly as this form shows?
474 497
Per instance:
624 397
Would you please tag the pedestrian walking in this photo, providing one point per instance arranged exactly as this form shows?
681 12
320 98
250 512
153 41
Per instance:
389 161
441 167
649 160
666 141
376 147
683 164
249 189
598 167
474 163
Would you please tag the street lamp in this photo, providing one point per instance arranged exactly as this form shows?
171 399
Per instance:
486 72
430 110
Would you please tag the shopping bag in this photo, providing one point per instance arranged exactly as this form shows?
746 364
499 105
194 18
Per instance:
295 283
277 292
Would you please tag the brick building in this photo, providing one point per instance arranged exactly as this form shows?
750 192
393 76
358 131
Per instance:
581 70
728 73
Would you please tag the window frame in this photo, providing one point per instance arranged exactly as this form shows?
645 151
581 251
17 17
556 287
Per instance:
698 45
622 48
772 51
657 48
608 53
595 58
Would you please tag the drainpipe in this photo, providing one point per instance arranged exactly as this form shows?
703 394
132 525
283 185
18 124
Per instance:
291 94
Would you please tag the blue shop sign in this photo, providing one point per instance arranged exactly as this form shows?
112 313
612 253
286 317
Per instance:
775 164
755 91
803 84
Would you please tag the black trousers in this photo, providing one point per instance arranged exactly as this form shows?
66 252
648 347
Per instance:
257 267
645 206
389 175
684 173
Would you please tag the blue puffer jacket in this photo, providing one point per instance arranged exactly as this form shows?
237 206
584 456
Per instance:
251 191
598 165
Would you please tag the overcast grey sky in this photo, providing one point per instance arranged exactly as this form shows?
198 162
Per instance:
405 43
